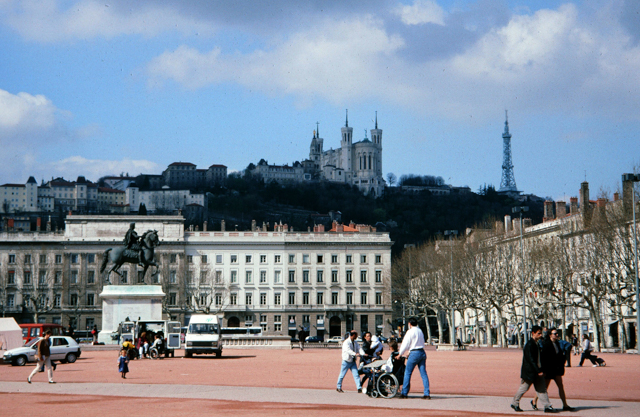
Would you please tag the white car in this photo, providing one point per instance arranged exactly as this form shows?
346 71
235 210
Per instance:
63 349
335 339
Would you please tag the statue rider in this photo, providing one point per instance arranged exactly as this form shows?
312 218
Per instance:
130 239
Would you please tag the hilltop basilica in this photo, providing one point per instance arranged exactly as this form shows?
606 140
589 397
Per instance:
354 163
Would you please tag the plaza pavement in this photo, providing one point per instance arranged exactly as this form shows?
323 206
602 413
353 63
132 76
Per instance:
279 382
448 403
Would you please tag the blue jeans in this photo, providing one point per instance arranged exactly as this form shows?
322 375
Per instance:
354 370
416 358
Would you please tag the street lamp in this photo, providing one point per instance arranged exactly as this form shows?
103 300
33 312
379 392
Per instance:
522 209
452 331
635 178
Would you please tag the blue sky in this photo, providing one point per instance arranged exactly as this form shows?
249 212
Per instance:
98 88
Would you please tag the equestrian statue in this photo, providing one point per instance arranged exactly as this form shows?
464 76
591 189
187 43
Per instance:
135 250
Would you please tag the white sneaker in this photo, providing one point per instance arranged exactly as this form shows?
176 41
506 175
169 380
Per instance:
364 390
595 366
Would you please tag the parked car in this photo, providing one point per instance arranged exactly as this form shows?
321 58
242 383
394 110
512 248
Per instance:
335 339
313 339
63 349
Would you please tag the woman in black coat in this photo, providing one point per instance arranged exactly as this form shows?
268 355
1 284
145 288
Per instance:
552 359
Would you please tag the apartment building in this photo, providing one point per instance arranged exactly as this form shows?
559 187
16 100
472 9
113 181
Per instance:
323 282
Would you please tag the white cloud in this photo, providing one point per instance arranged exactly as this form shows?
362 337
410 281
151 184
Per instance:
336 62
25 111
421 12
27 123
46 21
93 169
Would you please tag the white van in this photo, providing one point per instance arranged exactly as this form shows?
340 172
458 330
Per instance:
203 335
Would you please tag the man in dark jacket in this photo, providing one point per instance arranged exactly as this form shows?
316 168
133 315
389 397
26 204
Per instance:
553 367
531 373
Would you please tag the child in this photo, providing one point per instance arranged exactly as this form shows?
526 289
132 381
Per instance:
396 362
123 360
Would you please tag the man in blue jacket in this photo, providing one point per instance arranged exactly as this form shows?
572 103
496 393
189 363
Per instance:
531 373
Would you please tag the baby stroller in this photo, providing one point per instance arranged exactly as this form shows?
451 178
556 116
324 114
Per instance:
382 383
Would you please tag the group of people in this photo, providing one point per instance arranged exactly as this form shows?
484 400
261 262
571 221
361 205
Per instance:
142 348
412 345
543 361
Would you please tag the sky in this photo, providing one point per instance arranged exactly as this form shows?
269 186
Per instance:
100 88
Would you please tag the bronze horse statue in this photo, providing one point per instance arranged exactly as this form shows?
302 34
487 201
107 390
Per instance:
121 255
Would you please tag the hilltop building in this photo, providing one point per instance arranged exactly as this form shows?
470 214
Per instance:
354 163
358 163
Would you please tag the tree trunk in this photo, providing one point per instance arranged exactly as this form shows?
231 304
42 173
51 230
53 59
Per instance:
426 322
440 328
487 326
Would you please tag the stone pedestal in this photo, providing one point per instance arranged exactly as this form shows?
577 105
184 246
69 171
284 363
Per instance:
133 301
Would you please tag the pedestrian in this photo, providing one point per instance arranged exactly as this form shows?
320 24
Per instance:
413 342
553 358
566 347
43 355
587 348
301 335
123 361
366 357
574 342
349 352
70 333
531 373
94 333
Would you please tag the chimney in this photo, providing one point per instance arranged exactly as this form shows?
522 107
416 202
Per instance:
507 224
49 224
627 196
204 226
585 206
573 205
222 225
318 228
616 196
254 227
499 228
561 209
548 211
38 224
516 225
526 223
602 203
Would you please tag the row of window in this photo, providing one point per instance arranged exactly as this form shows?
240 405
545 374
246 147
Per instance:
57 299
249 259
220 299
45 278
277 276
91 258
42 259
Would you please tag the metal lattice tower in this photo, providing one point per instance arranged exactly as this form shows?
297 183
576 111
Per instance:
508 182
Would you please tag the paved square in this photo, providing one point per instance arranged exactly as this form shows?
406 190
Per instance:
291 382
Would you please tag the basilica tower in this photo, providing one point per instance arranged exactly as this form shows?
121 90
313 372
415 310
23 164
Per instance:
345 144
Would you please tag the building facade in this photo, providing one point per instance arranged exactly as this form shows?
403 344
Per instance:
324 282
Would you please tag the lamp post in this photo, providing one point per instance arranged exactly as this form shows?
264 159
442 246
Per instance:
635 178
452 331
522 209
